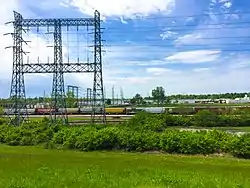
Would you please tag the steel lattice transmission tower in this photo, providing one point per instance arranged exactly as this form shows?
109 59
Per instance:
89 96
98 91
18 113
75 91
58 93
17 91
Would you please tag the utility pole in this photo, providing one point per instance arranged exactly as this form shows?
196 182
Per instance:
113 95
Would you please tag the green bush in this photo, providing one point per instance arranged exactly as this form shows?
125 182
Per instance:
189 142
240 146
206 118
3 121
144 132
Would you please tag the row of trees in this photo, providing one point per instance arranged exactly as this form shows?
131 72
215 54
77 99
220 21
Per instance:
210 96
158 95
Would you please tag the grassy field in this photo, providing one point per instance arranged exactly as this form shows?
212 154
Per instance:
36 167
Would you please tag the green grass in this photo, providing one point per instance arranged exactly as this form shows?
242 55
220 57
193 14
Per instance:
36 167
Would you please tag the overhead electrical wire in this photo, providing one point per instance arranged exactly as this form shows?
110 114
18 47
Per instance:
113 33
180 16
177 26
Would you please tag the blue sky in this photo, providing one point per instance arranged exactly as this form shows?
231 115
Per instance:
186 46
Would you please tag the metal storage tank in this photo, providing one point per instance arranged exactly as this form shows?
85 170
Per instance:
155 110
85 110
89 110
72 110
115 110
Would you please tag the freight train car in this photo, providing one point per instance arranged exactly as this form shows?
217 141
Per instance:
135 110
180 110
115 110
216 110
155 110
98 110
30 111
44 111
70 111
132 111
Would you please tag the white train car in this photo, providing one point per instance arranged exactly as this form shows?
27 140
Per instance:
155 110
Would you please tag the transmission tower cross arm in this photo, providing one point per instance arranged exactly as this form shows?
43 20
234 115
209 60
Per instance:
67 68
63 22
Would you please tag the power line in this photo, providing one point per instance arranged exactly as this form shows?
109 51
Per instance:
197 38
142 44
193 37
179 50
171 45
151 29
181 16
188 25
165 26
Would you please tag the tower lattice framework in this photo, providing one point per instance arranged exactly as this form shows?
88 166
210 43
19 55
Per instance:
18 112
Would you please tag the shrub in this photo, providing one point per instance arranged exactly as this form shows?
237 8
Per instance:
240 146
188 142
3 121
206 118
150 133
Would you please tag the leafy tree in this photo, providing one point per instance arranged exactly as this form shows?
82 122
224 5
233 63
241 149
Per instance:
1 111
108 102
137 99
158 95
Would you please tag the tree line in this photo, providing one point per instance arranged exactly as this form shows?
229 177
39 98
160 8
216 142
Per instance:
158 95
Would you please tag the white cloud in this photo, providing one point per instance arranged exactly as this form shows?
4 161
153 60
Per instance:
226 3
200 80
187 39
37 47
6 10
157 71
202 69
167 34
223 3
225 77
197 56
122 8
135 80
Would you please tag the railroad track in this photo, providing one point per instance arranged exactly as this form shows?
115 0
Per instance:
81 122
81 115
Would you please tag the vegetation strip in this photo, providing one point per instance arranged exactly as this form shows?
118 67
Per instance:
143 132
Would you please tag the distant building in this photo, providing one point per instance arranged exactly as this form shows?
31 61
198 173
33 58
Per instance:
212 101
